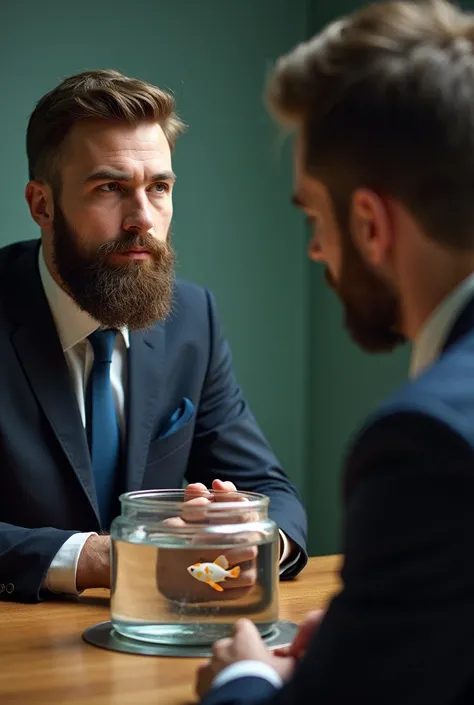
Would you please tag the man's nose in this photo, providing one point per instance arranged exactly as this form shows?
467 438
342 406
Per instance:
139 217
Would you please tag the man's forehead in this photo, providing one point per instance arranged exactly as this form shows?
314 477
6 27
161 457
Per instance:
99 141
308 191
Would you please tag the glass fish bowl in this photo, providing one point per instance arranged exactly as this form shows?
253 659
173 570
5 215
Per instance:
185 568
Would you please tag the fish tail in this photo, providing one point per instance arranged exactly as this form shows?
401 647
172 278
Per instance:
235 572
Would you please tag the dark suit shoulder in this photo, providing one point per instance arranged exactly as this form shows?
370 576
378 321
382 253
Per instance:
190 309
429 421
190 294
193 308
444 392
10 254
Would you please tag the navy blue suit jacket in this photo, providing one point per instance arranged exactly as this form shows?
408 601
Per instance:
46 482
401 631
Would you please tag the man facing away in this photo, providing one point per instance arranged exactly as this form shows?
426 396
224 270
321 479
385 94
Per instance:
115 376
383 106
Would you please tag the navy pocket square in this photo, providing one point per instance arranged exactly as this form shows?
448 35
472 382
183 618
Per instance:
180 417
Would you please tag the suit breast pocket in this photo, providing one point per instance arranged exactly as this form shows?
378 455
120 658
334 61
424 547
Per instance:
162 448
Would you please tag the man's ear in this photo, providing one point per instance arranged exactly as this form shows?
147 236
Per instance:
39 198
370 226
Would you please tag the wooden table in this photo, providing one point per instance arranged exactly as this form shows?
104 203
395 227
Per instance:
43 658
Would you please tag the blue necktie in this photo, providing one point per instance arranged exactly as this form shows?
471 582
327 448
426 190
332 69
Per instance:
102 424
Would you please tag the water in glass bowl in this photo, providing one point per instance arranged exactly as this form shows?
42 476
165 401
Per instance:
168 593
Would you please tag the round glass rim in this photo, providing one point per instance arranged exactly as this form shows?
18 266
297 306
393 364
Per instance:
146 499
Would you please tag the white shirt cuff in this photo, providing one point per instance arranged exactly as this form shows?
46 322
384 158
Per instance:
286 546
61 576
247 669
286 559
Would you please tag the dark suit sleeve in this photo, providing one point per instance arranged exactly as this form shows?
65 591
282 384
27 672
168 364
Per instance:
401 631
25 557
229 445
251 691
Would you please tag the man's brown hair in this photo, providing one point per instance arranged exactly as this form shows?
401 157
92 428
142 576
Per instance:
103 95
385 100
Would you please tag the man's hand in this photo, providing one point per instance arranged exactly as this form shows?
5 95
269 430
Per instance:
303 636
93 567
173 578
245 644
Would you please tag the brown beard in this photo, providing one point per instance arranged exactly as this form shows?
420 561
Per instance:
134 295
371 307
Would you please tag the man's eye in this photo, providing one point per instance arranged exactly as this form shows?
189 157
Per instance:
110 187
161 187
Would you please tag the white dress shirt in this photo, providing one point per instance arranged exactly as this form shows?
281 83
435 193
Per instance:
427 347
74 326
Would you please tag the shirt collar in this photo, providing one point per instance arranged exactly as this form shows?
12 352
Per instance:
72 323
430 339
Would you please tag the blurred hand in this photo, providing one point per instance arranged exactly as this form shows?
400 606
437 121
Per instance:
303 636
174 581
246 643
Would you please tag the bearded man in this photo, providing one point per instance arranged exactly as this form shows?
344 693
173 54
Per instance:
115 376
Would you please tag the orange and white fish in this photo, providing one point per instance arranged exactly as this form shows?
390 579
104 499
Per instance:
214 573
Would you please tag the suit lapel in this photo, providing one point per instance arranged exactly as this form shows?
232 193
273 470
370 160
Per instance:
145 373
39 350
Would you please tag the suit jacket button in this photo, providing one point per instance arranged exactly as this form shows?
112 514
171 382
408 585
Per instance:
9 588
2 588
